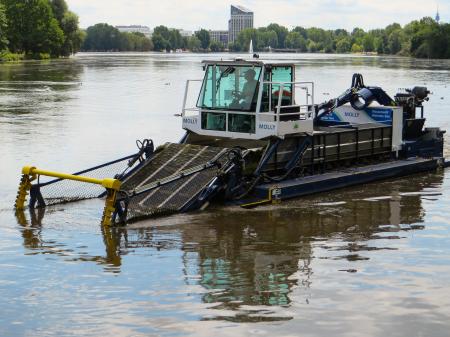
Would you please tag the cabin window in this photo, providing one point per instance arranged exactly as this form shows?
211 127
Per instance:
283 75
277 74
229 88
241 123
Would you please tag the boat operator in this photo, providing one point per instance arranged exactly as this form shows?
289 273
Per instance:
244 100
248 91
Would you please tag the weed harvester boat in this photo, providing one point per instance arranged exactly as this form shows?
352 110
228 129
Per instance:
254 135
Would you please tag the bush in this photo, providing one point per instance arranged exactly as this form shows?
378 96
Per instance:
11 57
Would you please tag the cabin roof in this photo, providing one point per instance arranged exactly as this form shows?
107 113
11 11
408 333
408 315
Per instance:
251 62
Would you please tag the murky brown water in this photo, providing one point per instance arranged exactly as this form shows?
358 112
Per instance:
372 260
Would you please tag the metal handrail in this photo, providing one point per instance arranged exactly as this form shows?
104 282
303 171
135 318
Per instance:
279 106
283 84
302 115
227 112
186 94
223 111
297 113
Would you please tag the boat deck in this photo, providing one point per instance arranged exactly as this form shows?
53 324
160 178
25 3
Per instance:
344 178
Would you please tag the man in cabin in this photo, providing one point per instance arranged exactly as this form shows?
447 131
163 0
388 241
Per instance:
247 95
248 91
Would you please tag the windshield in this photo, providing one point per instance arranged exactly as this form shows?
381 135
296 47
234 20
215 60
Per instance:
228 87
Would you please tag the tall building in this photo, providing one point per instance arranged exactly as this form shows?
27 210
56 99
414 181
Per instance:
136 29
241 18
220 36
438 17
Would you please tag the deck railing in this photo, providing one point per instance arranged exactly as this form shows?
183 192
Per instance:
304 112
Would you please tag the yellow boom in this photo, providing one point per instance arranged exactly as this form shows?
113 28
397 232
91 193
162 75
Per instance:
30 173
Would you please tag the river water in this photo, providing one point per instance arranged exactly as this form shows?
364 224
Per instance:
372 260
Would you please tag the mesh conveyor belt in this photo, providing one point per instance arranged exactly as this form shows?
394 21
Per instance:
171 160
59 191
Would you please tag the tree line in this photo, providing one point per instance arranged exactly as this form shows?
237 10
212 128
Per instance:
170 39
47 28
103 37
38 28
424 38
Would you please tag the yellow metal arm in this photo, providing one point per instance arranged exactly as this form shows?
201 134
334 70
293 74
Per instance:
30 173
113 184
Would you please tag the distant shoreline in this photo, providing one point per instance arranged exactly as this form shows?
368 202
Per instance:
18 58
369 54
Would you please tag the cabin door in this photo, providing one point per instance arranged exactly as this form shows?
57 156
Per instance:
277 74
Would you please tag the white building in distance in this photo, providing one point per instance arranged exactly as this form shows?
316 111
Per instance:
241 18
220 36
185 33
136 29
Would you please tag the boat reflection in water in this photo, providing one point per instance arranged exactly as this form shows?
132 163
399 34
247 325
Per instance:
260 256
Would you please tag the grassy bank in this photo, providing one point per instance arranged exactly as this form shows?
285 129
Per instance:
11 57
16 57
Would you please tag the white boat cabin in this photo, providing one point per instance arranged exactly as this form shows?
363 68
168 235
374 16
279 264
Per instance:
248 100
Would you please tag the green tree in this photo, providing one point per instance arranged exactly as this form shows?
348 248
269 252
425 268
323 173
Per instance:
247 35
379 45
102 37
185 42
32 27
78 39
147 44
428 39
262 38
3 28
59 8
392 27
358 34
234 46
163 31
69 25
368 43
395 41
175 39
328 45
270 39
302 31
216 46
316 34
203 36
356 48
340 33
296 41
323 40
194 43
160 43
344 45
161 38
313 47
281 32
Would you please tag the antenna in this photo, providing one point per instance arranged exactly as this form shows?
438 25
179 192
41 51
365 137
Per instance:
438 17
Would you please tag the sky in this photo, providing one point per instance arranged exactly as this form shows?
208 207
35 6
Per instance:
214 14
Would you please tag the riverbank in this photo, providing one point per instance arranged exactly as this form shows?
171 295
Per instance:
16 57
265 53
11 57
